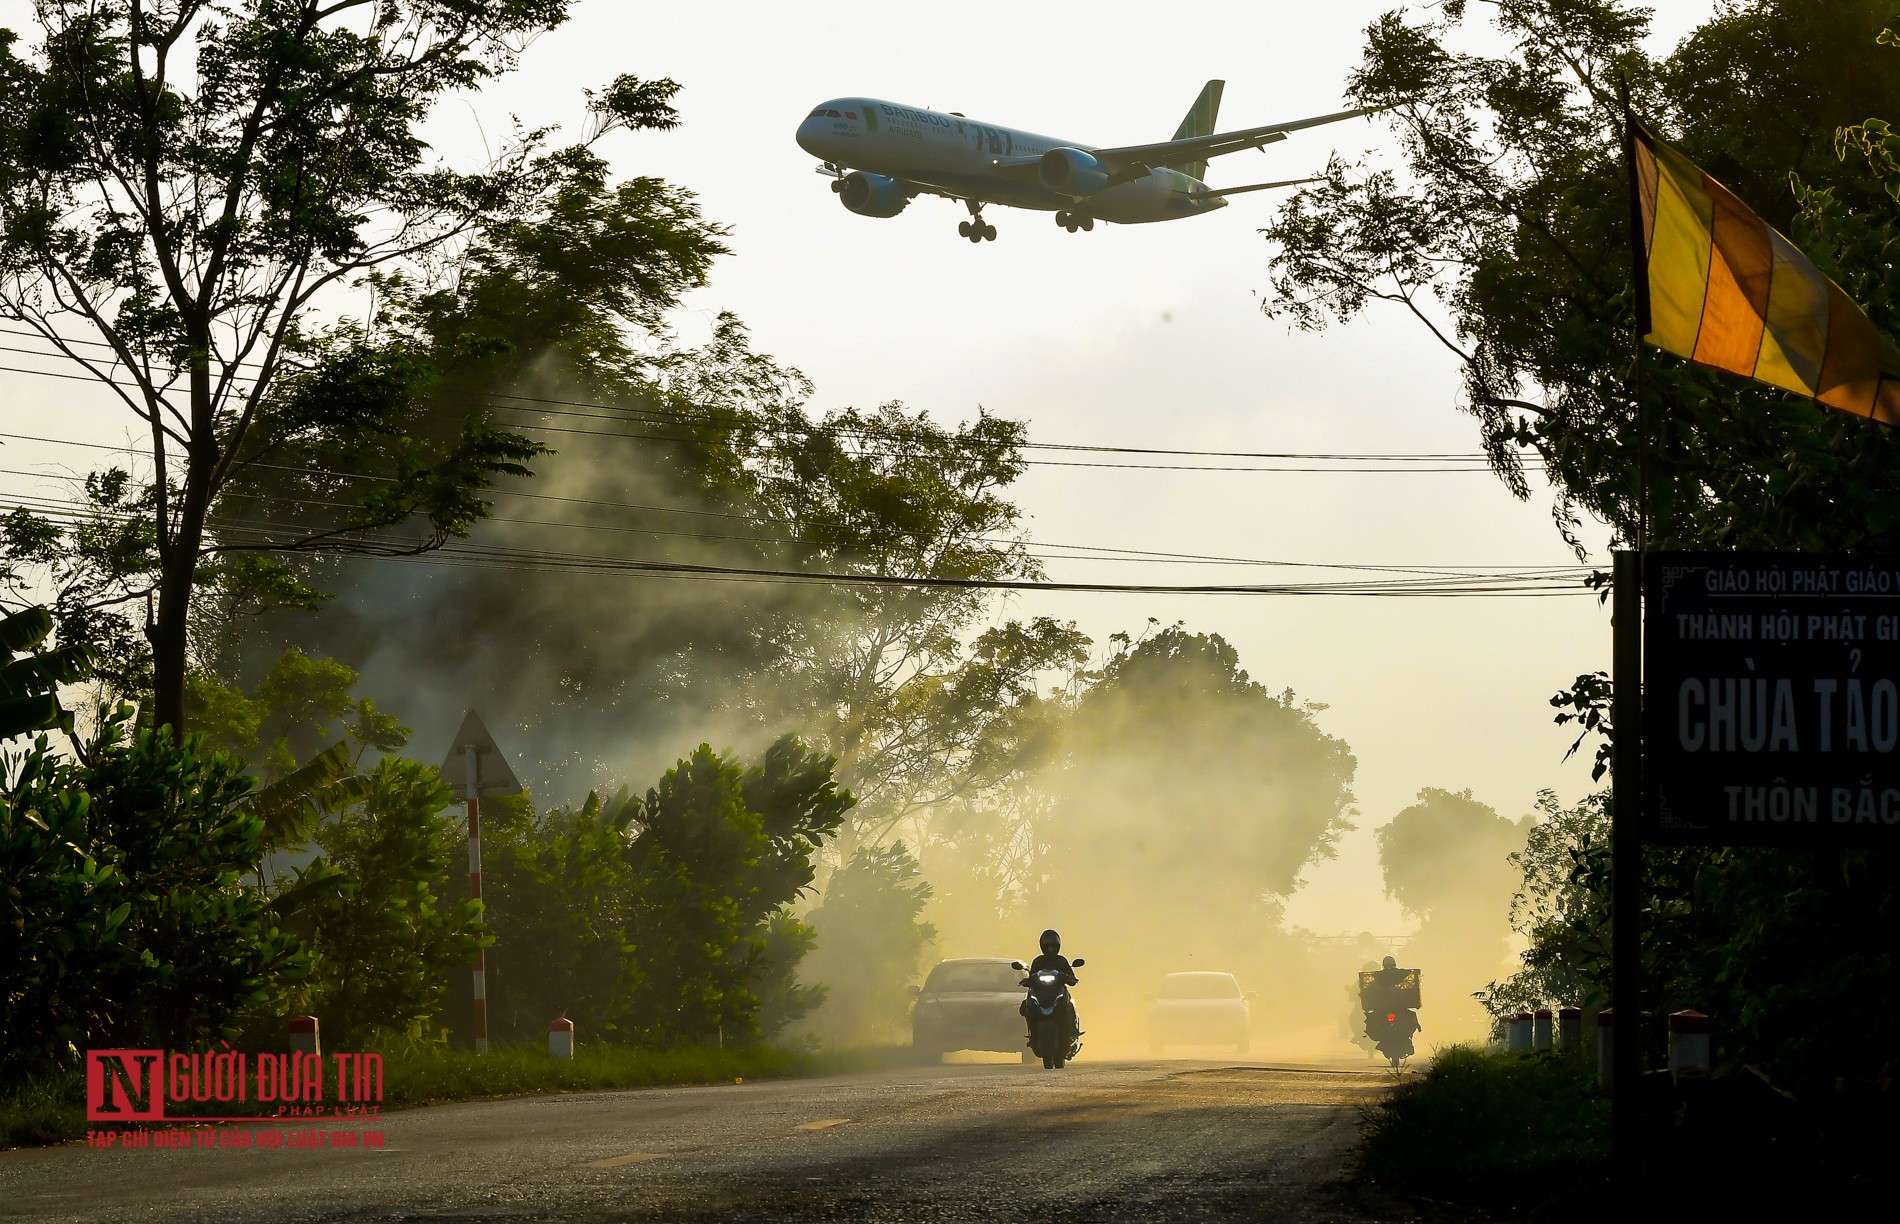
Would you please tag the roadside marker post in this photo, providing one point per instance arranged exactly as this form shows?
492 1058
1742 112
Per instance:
561 1038
1519 1033
477 763
1540 1030
303 1036
1688 1044
1569 1029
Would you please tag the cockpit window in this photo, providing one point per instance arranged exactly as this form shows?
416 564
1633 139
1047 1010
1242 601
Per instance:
832 114
817 114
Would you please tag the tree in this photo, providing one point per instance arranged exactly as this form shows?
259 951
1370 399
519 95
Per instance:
1185 789
1450 862
1513 222
381 932
872 938
1507 235
663 919
185 181
1561 909
716 852
129 912
916 714
1450 853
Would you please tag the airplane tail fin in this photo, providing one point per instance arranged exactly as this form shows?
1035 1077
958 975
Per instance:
1200 122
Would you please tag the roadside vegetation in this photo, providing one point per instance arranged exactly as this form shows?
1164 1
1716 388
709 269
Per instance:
48 1109
1508 230
1496 1131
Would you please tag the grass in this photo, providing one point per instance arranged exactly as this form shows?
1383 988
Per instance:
48 1109
51 1109
1512 1132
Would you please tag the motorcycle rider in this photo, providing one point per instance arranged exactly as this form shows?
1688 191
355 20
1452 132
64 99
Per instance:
1051 959
1404 1022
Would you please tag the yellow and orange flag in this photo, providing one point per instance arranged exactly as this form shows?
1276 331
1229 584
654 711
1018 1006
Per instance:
1726 290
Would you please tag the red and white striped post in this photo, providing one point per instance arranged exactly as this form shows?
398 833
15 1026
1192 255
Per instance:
561 1038
1540 1030
1569 1029
470 753
304 1038
1519 1033
1688 1043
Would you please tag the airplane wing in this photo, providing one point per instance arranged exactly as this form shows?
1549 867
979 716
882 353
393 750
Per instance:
1227 191
1134 159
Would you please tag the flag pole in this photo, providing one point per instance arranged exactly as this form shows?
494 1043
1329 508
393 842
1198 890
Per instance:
1626 832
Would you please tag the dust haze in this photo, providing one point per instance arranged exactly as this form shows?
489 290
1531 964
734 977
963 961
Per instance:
1163 814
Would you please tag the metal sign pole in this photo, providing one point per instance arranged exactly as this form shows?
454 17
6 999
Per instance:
471 755
1626 876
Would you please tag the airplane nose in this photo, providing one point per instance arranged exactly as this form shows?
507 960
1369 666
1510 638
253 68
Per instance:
808 136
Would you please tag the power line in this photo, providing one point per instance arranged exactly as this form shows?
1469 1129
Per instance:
79 509
561 407
735 515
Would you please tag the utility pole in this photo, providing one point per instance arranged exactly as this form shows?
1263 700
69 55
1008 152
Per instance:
475 767
1626 877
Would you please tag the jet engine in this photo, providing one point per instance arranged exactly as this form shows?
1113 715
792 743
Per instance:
1072 172
872 195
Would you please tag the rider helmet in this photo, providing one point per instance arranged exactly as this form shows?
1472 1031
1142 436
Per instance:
1051 943
1391 963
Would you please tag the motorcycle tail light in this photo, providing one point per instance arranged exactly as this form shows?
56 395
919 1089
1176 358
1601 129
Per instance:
1392 1017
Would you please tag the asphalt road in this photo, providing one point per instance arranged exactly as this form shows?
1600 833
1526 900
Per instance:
1112 1141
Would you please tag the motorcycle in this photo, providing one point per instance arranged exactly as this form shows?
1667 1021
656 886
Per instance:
1391 1032
1054 1034
1391 998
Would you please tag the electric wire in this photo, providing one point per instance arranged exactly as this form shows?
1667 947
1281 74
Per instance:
1033 548
547 405
254 534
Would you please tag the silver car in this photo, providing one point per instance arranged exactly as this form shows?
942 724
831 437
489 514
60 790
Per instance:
1199 1009
970 1004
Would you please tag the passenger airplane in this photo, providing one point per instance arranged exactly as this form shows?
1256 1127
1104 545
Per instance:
880 154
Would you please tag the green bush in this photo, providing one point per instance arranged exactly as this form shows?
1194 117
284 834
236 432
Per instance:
1510 1131
382 942
126 913
661 921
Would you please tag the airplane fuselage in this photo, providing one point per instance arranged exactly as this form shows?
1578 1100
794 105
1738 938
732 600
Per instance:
985 163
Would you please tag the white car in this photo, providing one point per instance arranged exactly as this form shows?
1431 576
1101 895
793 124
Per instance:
1199 1009
970 1004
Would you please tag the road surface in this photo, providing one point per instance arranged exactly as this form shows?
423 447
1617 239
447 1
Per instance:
1112 1141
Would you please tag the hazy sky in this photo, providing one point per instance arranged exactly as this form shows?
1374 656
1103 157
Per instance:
1142 336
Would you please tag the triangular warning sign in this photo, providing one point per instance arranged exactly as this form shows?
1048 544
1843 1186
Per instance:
492 775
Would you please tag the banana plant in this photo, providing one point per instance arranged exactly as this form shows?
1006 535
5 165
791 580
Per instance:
30 678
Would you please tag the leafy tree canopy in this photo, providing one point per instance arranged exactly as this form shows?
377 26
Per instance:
1447 852
1506 233
181 183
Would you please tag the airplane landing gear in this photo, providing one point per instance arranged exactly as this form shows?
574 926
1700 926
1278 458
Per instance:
1073 221
976 229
